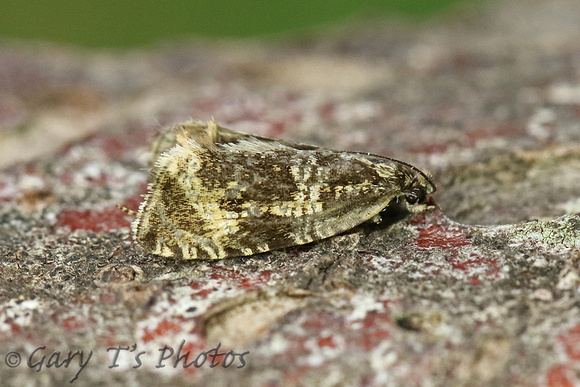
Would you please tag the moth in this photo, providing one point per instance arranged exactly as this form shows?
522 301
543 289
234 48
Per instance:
215 193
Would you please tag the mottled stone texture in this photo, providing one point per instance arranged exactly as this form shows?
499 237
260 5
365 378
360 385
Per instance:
483 289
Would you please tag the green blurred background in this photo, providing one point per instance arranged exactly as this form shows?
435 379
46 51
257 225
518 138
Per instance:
124 23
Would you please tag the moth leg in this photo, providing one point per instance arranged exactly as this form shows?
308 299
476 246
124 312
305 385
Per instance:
254 246
200 248
377 219
163 249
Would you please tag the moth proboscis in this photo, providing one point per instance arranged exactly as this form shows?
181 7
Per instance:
215 193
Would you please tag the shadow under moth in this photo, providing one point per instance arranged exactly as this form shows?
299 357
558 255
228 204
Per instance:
215 193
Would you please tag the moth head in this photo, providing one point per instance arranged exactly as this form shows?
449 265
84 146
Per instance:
412 184
418 187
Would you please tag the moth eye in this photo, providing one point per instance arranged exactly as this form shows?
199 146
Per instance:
416 195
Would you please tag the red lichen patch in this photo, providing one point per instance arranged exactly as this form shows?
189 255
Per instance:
473 261
431 269
164 329
109 338
201 289
428 218
438 236
72 324
14 328
376 327
326 341
251 281
315 323
191 354
104 220
571 341
327 336
310 336
559 376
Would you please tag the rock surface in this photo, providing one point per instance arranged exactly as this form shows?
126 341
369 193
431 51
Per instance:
481 289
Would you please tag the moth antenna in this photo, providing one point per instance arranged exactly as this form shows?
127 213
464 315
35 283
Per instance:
126 210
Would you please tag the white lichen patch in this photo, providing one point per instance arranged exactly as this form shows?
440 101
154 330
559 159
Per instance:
362 304
18 312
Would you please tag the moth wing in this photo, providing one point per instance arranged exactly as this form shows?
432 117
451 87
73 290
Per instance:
256 194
